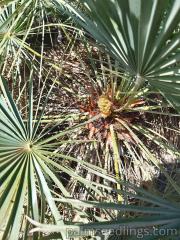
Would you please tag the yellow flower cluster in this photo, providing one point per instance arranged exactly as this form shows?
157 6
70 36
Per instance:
105 106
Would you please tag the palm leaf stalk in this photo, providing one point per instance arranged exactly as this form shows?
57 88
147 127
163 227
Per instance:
106 94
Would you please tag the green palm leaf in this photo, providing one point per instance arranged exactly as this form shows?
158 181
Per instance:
20 169
156 217
28 165
141 35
